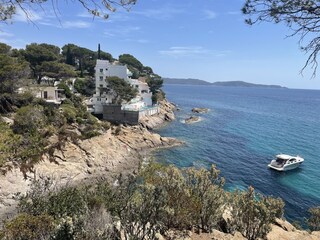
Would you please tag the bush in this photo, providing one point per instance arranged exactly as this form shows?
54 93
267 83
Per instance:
69 112
253 213
29 120
29 227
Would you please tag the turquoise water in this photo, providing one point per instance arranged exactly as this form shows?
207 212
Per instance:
242 132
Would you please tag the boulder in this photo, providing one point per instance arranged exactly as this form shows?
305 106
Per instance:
200 110
8 121
283 230
192 119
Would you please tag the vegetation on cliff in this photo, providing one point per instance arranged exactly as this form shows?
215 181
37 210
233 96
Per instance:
159 198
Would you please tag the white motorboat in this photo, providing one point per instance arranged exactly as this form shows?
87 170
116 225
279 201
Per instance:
284 162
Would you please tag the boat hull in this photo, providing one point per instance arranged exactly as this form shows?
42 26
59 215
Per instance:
286 167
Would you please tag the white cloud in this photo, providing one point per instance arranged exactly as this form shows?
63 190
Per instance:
193 51
142 41
124 31
26 16
5 34
184 51
209 14
75 24
165 13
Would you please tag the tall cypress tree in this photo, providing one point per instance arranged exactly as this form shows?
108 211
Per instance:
99 52
69 58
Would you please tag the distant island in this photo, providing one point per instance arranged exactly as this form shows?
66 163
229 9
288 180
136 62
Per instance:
192 81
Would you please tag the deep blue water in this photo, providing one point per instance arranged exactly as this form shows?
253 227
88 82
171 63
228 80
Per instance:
244 129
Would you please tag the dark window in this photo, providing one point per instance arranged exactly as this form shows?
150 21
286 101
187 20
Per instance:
45 94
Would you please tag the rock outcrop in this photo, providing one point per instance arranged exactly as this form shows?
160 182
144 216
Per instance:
114 152
200 110
192 119
281 230
166 114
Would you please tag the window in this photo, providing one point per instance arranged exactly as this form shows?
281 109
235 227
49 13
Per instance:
101 78
98 99
101 85
101 70
45 94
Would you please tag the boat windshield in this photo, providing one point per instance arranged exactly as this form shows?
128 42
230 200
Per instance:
280 160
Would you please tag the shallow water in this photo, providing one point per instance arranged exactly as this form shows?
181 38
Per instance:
243 130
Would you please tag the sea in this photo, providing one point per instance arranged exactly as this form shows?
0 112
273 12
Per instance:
244 129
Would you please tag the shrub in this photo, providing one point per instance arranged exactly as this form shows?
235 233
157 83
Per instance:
29 120
29 227
69 112
253 213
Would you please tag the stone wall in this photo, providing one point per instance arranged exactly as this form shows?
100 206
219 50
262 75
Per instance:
113 113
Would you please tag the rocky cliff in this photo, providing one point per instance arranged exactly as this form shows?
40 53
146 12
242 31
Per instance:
166 115
119 150
281 230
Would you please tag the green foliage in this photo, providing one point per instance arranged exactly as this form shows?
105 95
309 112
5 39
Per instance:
29 227
10 102
5 49
13 72
57 70
131 61
37 54
207 196
83 59
85 86
314 219
122 90
29 120
69 112
159 198
66 89
155 83
253 213
8 142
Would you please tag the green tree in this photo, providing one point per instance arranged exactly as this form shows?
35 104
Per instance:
13 73
5 49
37 54
131 61
155 83
56 70
69 57
314 220
83 59
302 17
121 89
85 86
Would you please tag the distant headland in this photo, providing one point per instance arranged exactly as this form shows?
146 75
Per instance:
192 81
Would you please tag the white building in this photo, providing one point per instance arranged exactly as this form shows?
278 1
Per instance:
104 95
50 94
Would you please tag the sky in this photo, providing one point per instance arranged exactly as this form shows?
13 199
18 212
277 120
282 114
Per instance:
202 39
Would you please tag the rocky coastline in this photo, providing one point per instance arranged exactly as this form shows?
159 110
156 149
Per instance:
119 150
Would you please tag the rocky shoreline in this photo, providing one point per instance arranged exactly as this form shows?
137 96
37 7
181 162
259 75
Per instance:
119 150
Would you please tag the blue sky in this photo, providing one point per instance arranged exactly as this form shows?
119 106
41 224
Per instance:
204 39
